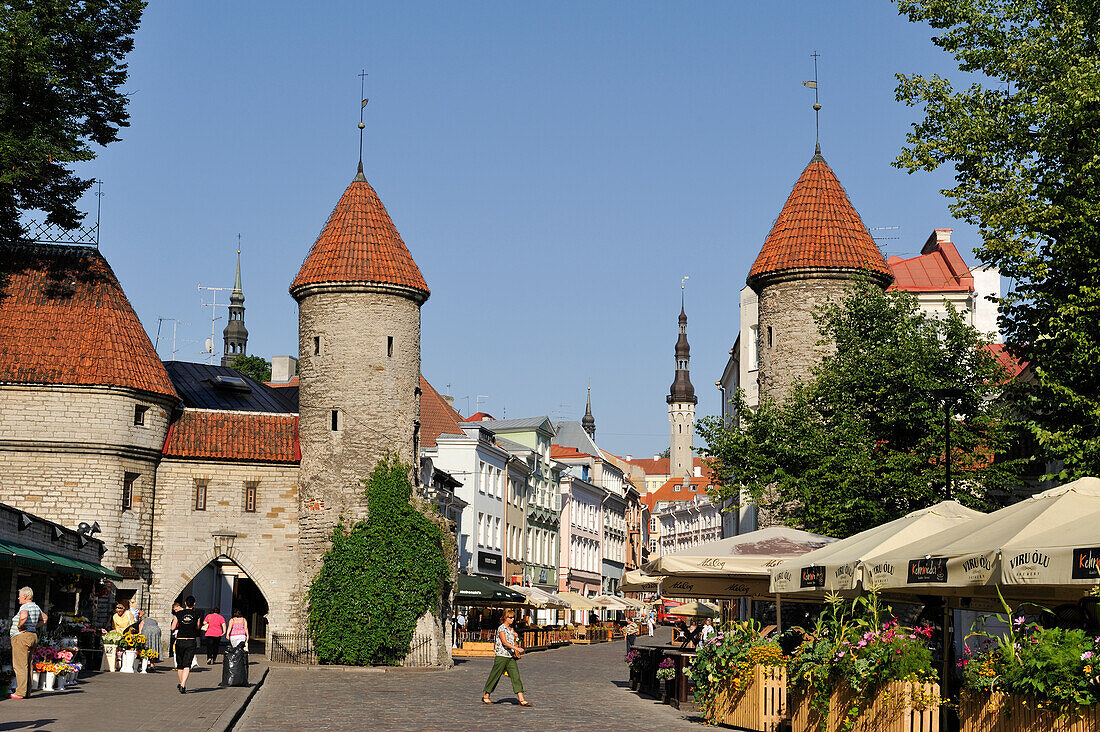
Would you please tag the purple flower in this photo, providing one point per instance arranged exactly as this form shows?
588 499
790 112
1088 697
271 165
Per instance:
1086 655
1018 621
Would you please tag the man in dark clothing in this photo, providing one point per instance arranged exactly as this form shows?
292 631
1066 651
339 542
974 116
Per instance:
186 623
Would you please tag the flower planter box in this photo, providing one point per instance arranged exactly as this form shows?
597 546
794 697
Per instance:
475 649
999 712
761 706
897 707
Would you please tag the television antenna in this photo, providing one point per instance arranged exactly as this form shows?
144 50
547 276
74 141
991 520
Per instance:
175 326
213 305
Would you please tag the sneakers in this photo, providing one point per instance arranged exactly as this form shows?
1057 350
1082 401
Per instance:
15 696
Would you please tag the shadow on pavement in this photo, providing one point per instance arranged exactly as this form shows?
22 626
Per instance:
36 724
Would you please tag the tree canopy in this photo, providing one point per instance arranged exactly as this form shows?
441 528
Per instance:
61 70
253 367
861 442
1022 137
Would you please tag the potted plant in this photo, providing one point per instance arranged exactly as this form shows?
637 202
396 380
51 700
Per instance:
860 670
665 674
131 644
634 662
1030 679
740 678
111 639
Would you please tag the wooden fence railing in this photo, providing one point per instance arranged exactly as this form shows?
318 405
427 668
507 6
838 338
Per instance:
760 706
1005 713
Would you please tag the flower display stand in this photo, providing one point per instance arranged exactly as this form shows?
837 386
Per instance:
898 706
761 706
999 712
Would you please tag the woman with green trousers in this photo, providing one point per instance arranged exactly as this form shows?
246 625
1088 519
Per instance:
507 651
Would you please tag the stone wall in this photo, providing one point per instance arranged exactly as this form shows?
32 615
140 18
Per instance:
263 543
65 453
348 363
788 332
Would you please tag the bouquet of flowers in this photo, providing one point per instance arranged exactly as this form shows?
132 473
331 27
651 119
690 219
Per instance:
111 637
131 641
149 653
665 672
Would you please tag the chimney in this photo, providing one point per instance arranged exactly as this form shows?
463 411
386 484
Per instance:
449 399
656 457
629 458
283 369
698 471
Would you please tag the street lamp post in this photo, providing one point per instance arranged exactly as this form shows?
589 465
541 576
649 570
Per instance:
949 395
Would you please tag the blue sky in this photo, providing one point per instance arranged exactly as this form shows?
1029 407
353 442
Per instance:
554 168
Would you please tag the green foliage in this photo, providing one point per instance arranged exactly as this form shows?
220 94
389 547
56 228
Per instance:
253 367
378 578
862 442
61 69
1056 668
1023 143
726 661
859 645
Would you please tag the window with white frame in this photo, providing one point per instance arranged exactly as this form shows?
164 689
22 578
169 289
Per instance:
496 533
480 529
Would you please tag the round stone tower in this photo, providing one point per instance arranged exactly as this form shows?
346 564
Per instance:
359 294
816 250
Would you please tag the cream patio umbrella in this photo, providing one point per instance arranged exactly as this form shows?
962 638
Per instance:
839 567
739 566
1045 546
695 609
577 602
636 580
540 598
610 602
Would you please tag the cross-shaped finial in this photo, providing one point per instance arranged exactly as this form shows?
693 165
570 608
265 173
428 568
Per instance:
817 108
362 87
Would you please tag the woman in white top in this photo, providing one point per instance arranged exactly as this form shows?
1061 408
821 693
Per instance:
507 651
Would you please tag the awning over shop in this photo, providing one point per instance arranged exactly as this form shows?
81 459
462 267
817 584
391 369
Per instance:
539 598
611 602
637 581
478 591
25 556
577 602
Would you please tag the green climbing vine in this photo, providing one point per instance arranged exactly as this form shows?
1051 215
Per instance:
379 577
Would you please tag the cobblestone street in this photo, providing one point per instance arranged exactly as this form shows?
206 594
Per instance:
573 688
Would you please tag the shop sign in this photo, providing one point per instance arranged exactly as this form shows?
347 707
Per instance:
128 572
1085 563
812 577
133 553
930 570
487 562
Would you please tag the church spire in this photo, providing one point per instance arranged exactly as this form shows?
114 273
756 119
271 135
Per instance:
588 422
235 334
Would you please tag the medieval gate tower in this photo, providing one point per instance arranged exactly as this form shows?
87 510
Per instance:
813 254
359 294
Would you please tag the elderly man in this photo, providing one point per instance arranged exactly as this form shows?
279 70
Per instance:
24 638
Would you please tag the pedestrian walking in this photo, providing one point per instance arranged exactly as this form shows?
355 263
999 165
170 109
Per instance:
213 628
651 621
507 650
176 607
185 623
24 639
151 630
631 631
237 629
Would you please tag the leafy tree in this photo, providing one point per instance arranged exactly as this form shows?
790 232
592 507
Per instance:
862 441
1023 143
253 367
61 67
379 577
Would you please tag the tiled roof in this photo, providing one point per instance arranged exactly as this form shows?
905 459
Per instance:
64 319
359 244
437 417
283 384
1012 365
560 452
668 492
938 268
659 466
818 228
478 417
220 435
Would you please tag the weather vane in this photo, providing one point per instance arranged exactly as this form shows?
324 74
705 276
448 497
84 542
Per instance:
362 106
817 105
683 280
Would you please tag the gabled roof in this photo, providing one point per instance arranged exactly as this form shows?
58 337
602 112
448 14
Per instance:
521 424
659 466
65 320
560 452
688 491
206 386
220 435
817 229
938 268
478 417
437 417
360 245
572 434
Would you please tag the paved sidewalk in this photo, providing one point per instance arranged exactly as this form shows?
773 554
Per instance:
573 688
134 702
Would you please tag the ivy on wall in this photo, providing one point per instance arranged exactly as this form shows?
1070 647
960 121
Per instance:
379 577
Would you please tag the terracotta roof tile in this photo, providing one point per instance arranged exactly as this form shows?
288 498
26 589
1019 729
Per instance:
668 492
283 384
659 466
479 417
1012 365
561 452
216 435
437 417
940 270
64 319
818 228
359 244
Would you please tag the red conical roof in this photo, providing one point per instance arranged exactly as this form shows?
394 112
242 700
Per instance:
818 228
65 320
359 244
